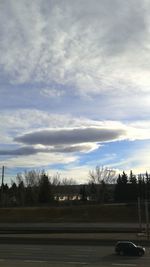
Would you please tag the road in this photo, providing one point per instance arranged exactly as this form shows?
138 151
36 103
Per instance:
66 256
69 227
35 245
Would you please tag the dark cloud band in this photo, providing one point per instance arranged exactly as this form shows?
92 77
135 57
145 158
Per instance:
30 150
71 136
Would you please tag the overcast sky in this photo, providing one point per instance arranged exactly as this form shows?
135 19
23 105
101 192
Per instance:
74 86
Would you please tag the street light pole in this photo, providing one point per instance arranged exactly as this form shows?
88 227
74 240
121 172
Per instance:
2 183
147 218
139 214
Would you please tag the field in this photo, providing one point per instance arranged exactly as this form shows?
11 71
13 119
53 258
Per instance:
83 213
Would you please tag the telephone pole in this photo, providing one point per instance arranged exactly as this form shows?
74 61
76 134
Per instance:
139 214
147 219
147 206
2 183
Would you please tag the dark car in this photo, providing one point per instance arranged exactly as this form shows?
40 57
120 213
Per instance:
129 248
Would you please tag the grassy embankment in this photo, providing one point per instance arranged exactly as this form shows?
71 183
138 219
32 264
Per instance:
87 213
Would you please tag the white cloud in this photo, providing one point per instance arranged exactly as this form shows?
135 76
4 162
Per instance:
39 160
21 121
86 62
137 160
79 174
52 93
15 122
96 48
38 123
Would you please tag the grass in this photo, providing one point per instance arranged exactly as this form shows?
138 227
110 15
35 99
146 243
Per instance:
83 213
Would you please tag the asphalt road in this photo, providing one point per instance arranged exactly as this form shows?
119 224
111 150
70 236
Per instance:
68 227
31 250
67 256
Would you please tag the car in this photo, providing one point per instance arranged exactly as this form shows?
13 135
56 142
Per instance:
129 248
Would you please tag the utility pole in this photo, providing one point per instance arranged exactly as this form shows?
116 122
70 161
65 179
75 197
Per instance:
139 214
147 219
2 184
146 205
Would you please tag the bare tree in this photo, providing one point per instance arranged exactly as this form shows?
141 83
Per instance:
32 177
68 188
55 180
68 181
102 174
99 178
19 178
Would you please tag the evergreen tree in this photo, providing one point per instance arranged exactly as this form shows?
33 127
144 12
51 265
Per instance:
120 193
83 193
124 178
45 195
13 192
92 191
132 178
21 193
132 188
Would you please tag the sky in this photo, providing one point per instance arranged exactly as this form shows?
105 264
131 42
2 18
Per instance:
74 86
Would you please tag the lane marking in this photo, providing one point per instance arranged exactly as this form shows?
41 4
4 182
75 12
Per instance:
35 261
86 250
76 262
124 264
78 255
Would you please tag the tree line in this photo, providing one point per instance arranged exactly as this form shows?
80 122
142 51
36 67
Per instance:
34 188
130 187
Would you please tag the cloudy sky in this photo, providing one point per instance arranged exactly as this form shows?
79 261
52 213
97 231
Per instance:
74 86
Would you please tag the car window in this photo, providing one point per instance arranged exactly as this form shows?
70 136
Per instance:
131 245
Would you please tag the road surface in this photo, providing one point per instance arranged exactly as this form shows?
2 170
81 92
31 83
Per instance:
67 256
69 227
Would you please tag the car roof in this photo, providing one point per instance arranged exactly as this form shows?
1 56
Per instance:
125 242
